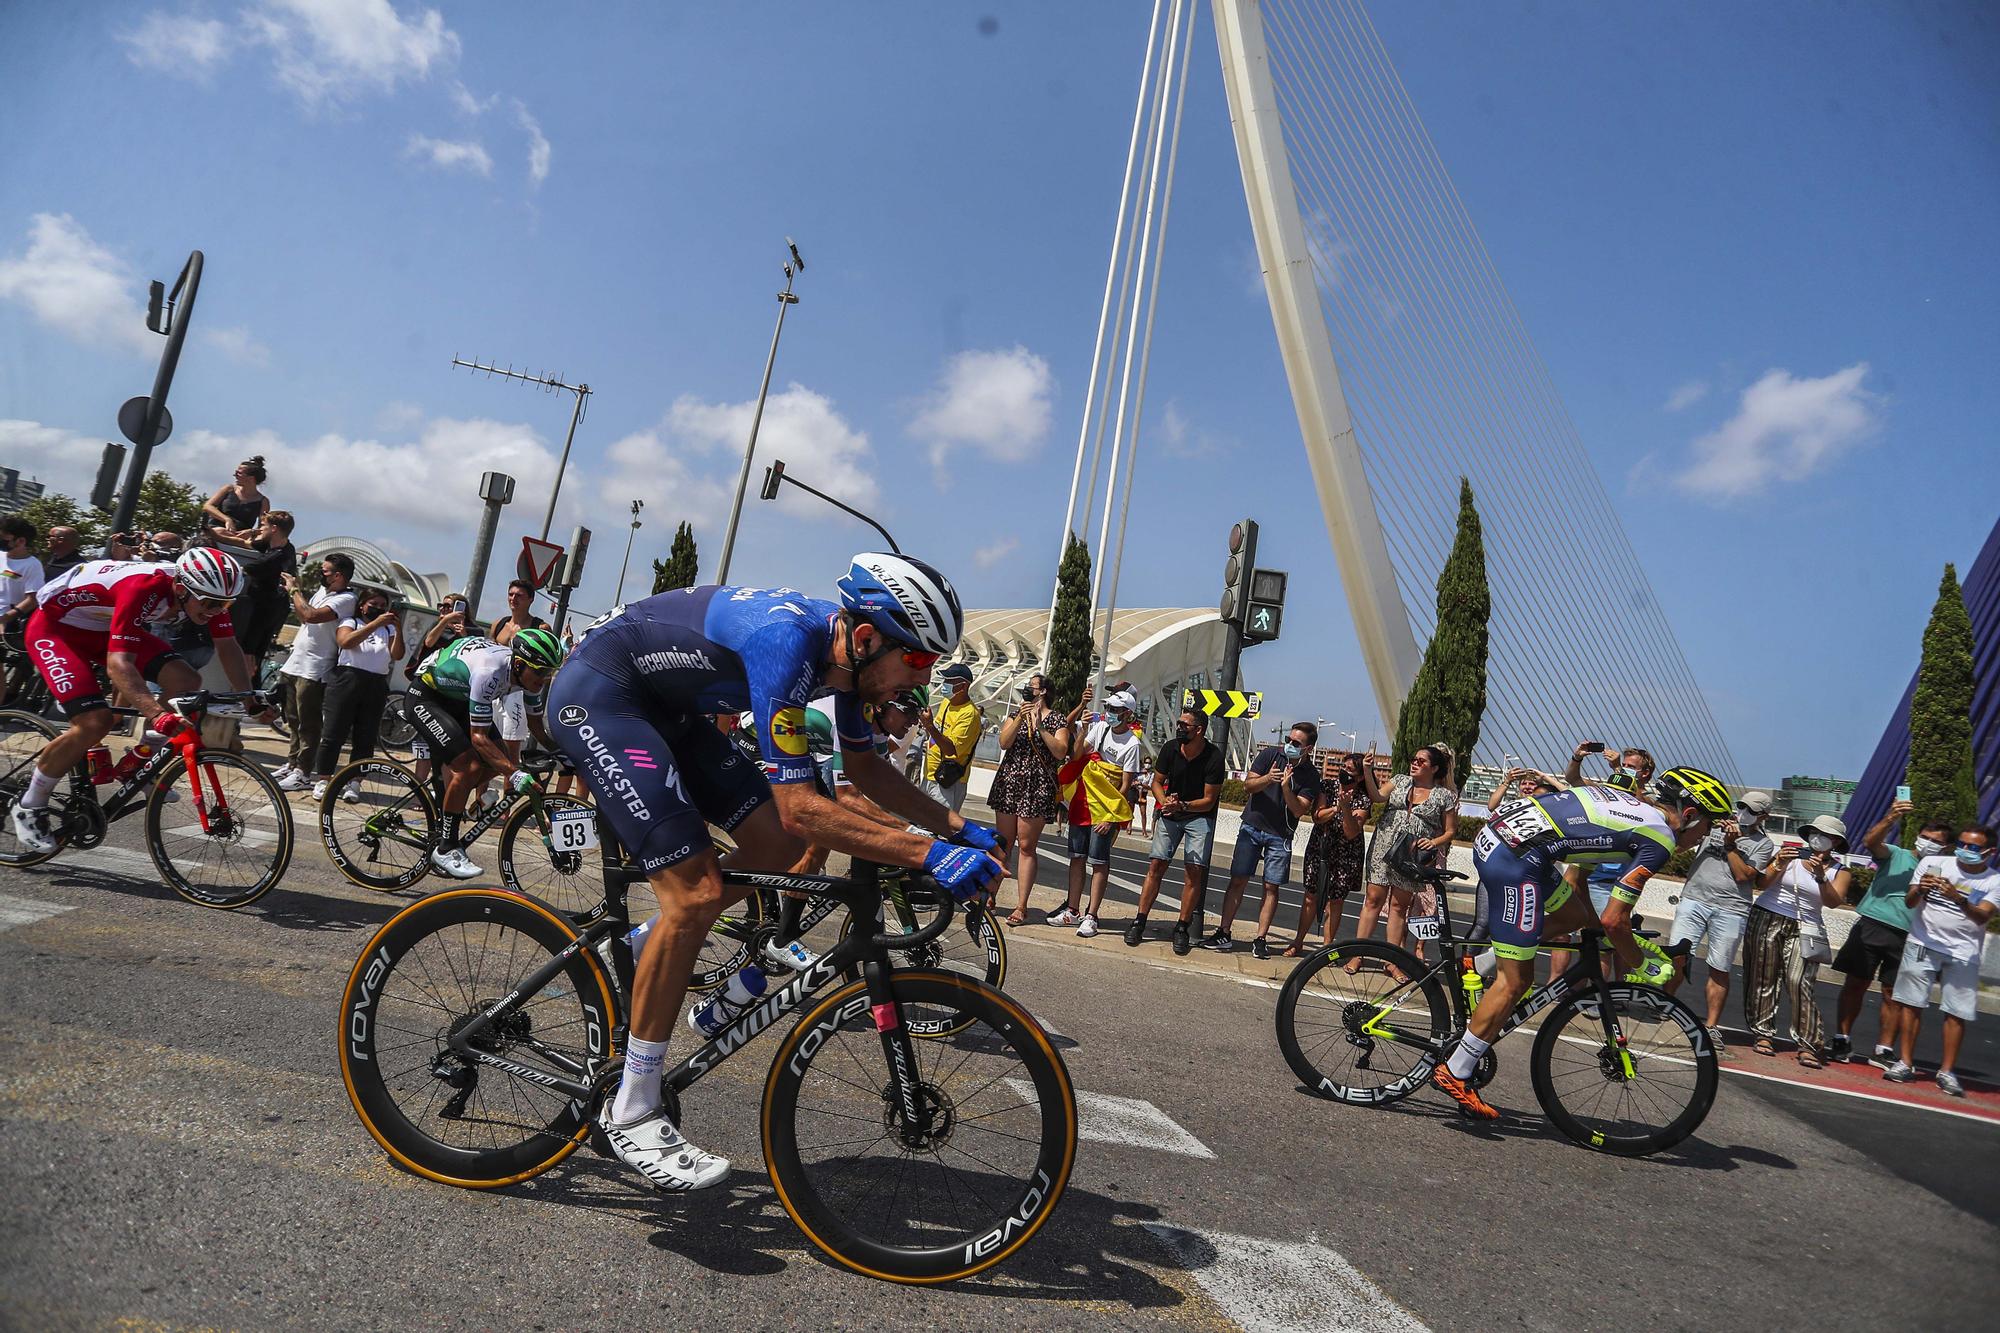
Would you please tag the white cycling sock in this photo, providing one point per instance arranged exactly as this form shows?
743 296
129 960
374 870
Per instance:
639 1095
1463 1060
39 787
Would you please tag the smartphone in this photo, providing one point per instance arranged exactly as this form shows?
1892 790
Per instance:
1902 793
1594 747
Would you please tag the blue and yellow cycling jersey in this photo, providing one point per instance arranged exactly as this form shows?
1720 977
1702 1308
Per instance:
727 650
1584 825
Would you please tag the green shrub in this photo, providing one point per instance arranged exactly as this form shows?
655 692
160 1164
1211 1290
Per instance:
1234 793
1468 829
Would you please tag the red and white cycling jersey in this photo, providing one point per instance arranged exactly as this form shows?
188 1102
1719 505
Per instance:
119 598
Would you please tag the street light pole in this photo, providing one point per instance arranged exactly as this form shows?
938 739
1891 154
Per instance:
619 596
793 268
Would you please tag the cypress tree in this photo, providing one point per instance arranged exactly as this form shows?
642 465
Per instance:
1448 698
1068 666
682 565
1940 776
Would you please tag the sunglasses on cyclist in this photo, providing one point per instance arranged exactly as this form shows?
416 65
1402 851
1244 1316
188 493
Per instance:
920 661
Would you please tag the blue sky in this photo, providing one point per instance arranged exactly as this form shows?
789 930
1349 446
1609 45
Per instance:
1754 246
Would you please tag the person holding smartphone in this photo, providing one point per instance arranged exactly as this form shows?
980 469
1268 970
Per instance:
1034 742
1786 939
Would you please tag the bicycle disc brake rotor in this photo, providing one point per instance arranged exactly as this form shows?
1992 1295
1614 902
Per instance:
1355 1016
942 1116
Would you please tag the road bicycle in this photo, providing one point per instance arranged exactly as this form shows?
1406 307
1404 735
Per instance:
480 1030
1619 1067
21 685
218 828
398 730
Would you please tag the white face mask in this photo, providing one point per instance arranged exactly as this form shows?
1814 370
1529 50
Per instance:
1927 847
1819 842
1746 818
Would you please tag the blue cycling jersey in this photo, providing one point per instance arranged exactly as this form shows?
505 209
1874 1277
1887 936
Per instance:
724 650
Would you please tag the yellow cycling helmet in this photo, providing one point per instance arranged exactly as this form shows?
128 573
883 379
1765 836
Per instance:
1690 786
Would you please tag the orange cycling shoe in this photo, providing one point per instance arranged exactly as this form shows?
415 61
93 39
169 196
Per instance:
1468 1098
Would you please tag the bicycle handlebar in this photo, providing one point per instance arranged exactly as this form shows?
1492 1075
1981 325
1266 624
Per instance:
947 905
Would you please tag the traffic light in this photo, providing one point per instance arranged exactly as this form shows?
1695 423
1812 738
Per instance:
105 491
1266 612
1236 573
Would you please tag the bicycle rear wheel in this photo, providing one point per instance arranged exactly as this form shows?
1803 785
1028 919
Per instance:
22 736
570 882
911 1207
246 845
434 967
1640 1099
381 837
1363 1037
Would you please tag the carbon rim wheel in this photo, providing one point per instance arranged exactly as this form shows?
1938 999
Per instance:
879 1196
1362 1037
1582 1082
730 943
570 882
244 848
382 838
22 736
425 974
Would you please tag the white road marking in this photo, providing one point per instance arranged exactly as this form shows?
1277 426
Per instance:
1269 1286
116 859
1102 1118
26 911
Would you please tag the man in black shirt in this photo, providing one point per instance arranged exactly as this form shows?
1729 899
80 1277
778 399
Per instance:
1283 785
1187 783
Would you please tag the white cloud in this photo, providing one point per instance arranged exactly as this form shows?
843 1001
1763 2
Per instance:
327 51
1686 396
237 344
538 146
995 401
179 43
467 104
450 155
988 556
1784 429
1181 438
76 286
60 459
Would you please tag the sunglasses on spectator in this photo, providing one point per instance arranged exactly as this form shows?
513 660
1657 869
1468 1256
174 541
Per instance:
1965 846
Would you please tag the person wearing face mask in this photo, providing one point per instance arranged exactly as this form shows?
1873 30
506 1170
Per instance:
1714 909
1874 948
1283 784
1103 769
368 644
1034 741
1187 783
1952 898
1786 939
954 731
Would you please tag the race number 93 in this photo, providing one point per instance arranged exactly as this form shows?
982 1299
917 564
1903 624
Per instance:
573 830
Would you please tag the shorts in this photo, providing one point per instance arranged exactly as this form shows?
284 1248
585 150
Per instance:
67 658
1254 845
442 724
1722 927
1193 834
1873 950
1922 968
659 779
1094 847
1513 887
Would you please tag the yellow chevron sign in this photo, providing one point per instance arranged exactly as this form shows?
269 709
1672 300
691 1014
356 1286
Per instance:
1224 703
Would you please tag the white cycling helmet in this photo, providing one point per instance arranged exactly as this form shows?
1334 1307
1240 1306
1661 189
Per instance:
904 598
207 572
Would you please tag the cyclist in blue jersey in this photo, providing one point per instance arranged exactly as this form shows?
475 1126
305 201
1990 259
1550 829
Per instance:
1520 855
632 710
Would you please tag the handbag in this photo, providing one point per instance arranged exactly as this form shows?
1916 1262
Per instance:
950 773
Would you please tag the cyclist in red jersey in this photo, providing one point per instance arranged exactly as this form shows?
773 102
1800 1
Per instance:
96 614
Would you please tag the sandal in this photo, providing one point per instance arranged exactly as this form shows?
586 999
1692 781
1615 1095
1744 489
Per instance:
1808 1060
1765 1046
1294 952
1017 920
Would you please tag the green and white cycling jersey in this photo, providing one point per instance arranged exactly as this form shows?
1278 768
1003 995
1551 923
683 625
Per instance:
476 672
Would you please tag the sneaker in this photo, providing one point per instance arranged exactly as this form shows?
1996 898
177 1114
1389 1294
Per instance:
1899 1073
1208 941
294 781
1087 927
454 862
793 956
349 795
1065 917
1884 1057
1841 1048
1468 1098
31 829
1219 941
656 1150
1135 932
282 771
319 790
1181 938
1259 949
1948 1084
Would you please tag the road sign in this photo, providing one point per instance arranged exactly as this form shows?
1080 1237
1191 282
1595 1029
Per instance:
1263 621
132 420
538 560
1224 703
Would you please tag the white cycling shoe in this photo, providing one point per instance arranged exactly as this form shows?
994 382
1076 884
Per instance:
659 1152
454 862
793 955
31 830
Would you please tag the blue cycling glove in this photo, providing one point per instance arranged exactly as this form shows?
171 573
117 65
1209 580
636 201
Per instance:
963 871
977 835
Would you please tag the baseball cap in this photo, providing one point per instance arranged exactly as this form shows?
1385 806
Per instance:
1756 802
958 671
1120 699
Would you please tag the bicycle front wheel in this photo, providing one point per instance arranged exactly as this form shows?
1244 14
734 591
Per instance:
973 947
22 738
570 882
376 822
1634 1098
890 1200
241 850
1359 1035
436 966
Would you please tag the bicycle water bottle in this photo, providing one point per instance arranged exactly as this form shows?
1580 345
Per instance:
636 938
744 989
130 764
1475 985
101 771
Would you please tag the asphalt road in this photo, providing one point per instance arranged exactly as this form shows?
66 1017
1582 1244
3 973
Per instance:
179 1152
